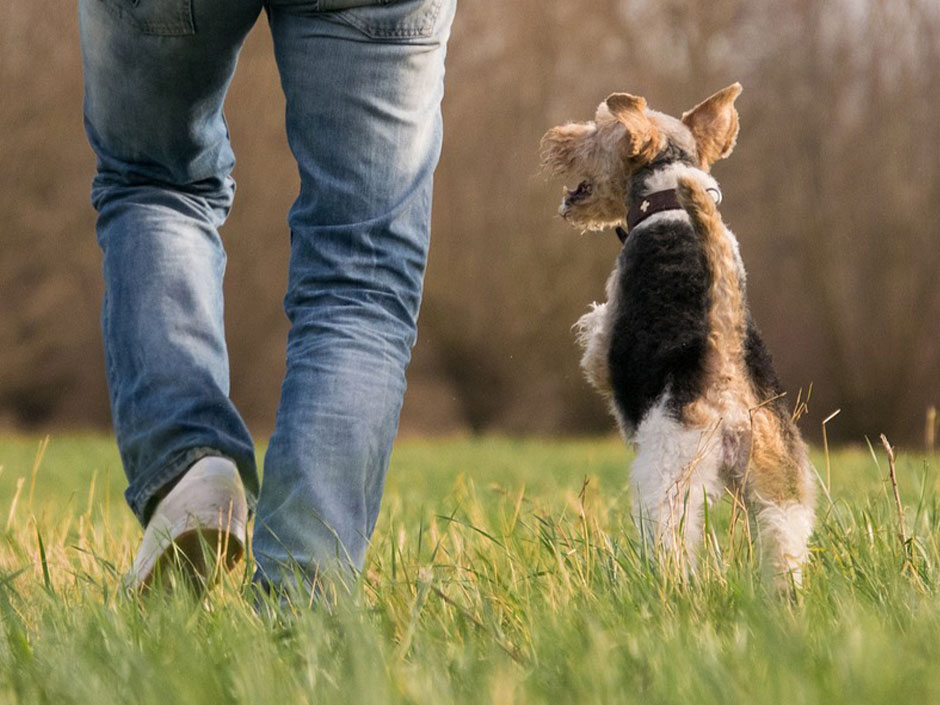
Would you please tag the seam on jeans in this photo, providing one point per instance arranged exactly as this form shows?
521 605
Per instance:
421 29
108 355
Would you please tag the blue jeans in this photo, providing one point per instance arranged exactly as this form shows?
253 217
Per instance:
363 81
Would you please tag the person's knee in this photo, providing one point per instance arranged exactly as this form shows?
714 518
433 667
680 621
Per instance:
206 201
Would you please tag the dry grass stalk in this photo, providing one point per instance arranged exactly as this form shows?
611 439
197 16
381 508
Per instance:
902 532
930 431
826 448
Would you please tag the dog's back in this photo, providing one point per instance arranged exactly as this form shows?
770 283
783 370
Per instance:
659 330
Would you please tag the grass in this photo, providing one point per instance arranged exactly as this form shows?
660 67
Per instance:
502 571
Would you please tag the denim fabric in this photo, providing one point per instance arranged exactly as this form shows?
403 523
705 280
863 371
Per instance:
363 81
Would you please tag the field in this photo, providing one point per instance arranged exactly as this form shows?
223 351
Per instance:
502 571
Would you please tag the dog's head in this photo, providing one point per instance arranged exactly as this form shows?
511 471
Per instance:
626 136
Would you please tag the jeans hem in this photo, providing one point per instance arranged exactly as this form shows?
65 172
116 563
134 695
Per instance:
139 499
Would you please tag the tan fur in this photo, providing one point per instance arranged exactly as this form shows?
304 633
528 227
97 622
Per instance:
603 152
714 124
775 470
672 130
567 146
729 394
641 140
624 136
727 321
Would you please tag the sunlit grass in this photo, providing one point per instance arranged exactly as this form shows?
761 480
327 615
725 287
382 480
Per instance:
501 571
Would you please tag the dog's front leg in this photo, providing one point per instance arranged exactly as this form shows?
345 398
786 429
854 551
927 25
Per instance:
593 334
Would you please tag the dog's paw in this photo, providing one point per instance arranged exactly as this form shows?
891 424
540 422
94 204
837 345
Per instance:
590 324
593 335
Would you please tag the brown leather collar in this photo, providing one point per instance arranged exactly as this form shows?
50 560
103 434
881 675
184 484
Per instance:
644 207
653 203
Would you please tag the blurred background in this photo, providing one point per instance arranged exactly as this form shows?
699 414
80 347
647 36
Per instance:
833 191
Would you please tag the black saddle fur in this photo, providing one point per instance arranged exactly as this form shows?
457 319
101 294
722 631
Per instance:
659 336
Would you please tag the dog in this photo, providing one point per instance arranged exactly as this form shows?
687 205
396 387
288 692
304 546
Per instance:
674 349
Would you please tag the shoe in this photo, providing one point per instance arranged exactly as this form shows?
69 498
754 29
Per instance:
198 526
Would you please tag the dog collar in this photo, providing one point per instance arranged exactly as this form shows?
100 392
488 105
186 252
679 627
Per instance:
654 203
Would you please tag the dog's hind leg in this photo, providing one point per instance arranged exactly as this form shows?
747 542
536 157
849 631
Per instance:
780 489
784 528
674 474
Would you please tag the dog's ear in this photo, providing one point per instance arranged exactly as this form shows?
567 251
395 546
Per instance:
714 124
630 110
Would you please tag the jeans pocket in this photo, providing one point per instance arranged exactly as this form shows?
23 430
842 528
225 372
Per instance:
168 18
388 19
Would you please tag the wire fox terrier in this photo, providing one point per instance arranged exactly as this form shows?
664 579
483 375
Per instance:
674 349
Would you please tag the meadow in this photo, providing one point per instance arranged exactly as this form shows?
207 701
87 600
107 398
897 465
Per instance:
501 571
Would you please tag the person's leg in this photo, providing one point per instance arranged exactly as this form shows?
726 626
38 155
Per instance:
363 88
155 76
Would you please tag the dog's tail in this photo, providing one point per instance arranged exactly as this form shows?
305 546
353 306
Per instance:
727 312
